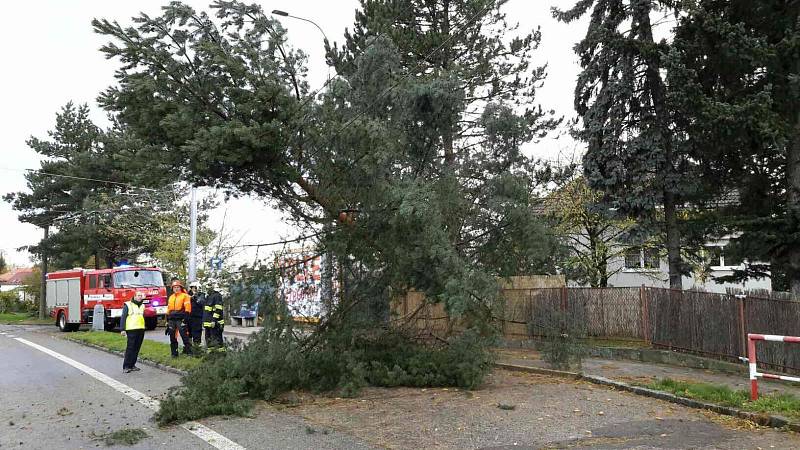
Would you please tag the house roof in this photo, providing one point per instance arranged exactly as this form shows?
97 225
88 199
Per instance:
16 276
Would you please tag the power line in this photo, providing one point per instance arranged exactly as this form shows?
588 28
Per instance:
97 180
269 244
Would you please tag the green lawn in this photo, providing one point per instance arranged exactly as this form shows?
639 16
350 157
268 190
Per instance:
152 351
24 319
783 404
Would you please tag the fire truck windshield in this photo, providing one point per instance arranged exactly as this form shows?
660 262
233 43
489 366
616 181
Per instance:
138 278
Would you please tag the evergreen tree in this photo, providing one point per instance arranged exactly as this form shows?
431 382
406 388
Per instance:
417 174
635 155
735 72
83 190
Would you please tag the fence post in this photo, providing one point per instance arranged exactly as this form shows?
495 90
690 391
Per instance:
743 342
563 298
645 324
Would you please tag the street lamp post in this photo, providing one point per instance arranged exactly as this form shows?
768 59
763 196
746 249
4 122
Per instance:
278 12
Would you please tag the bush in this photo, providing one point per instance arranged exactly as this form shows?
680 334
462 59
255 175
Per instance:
10 303
562 349
342 361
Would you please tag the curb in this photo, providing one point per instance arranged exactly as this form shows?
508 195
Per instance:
144 361
769 420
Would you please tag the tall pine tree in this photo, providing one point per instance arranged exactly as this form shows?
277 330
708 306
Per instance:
411 160
83 190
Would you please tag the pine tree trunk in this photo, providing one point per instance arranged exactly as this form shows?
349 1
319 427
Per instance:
43 289
793 205
673 241
657 90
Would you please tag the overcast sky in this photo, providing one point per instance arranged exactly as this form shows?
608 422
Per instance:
52 57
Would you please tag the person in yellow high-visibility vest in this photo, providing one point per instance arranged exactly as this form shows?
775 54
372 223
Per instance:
132 322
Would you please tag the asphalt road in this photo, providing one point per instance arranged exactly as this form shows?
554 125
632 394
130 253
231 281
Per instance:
49 404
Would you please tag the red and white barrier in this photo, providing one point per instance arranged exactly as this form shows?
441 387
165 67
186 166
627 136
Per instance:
751 359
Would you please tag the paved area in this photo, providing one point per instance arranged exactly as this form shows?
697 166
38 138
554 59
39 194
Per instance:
538 412
632 371
50 404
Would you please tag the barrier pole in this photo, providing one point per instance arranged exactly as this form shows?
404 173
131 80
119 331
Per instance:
751 360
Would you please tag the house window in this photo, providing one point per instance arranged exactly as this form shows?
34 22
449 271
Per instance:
650 258
728 259
633 258
714 255
642 258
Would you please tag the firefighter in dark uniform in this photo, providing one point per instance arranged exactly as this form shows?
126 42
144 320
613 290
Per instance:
179 307
196 316
213 320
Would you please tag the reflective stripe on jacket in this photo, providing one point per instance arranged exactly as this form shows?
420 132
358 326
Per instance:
134 320
213 310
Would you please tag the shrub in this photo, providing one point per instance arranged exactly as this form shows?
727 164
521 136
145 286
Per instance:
342 361
562 349
10 302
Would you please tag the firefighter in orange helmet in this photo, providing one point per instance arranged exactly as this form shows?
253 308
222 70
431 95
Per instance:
179 307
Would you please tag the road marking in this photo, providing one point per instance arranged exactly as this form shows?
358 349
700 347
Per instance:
213 438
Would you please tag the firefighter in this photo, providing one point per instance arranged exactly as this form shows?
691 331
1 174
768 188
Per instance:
132 321
196 316
179 307
213 320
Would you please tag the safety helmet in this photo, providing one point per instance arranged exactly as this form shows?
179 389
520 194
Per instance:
177 283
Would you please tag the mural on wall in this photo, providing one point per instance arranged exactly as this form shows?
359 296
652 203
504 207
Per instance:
301 282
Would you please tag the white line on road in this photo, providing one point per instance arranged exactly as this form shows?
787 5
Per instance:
213 438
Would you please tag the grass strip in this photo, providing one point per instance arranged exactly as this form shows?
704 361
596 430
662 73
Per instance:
158 352
24 319
786 405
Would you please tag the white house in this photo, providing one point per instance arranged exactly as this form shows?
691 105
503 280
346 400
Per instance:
645 267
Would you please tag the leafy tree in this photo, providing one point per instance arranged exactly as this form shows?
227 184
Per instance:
735 69
172 242
635 155
592 233
3 265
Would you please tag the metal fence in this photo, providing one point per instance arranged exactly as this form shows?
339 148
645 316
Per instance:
703 323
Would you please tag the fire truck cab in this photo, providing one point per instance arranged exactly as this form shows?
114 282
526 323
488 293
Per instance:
73 294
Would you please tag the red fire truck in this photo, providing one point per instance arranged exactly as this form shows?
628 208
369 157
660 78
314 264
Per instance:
73 294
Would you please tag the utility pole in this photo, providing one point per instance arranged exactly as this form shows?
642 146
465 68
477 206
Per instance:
43 288
193 238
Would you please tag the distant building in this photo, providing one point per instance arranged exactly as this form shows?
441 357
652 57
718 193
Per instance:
645 267
14 279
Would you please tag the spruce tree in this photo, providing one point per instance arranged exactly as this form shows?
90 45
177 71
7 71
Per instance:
634 154
735 72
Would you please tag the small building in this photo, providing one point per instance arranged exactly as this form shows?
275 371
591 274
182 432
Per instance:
14 280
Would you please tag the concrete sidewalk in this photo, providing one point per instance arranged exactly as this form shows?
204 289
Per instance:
634 372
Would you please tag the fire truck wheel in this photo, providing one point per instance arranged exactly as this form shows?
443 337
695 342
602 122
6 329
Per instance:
63 326
150 323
